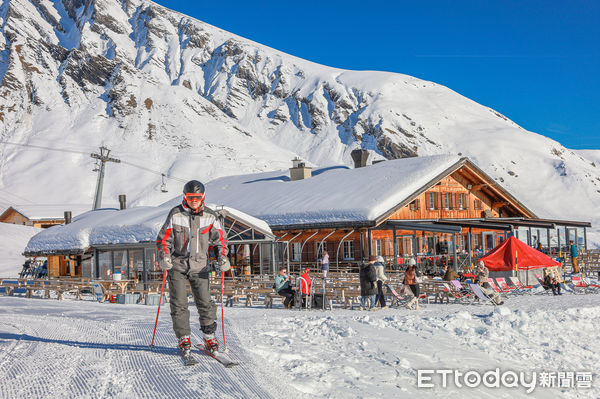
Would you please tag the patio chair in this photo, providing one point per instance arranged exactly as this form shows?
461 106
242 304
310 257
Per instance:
522 288
462 289
580 284
455 293
477 291
507 288
547 289
495 287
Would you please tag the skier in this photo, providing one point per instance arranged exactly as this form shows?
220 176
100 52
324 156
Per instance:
183 243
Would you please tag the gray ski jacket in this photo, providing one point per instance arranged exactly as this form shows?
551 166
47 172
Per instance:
186 237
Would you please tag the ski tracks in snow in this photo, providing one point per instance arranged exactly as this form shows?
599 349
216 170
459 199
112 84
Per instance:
91 350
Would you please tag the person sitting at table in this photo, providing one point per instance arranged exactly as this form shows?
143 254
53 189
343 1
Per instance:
449 274
283 288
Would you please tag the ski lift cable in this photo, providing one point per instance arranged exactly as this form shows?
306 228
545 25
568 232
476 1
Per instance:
39 147
154 171
87 153
4 192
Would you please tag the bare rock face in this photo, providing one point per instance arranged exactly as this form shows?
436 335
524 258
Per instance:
112 49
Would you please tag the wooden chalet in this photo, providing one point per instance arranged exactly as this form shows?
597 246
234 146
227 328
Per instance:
42 216
439 209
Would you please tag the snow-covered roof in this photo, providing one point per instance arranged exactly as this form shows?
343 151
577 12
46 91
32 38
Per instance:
332 195
118 227
50 212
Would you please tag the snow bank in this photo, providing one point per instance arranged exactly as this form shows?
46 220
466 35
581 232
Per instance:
12 245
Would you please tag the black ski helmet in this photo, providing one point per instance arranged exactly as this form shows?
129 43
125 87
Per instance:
193 186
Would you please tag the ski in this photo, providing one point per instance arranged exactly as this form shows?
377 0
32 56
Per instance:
189 359
218 356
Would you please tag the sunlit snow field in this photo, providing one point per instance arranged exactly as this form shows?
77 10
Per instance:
86 349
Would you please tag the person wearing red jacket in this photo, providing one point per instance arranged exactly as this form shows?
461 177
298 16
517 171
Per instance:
305 285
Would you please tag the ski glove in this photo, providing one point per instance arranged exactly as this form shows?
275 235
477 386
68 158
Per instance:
223 264
167 263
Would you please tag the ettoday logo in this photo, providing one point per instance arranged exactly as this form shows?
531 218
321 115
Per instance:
496 379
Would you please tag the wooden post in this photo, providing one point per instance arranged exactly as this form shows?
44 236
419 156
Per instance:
454 262
395 244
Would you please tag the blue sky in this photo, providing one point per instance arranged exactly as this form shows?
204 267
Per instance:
537 62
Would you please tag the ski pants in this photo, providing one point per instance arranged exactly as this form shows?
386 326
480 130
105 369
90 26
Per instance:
180 314
380 296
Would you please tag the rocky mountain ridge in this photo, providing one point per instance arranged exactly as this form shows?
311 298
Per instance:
182 97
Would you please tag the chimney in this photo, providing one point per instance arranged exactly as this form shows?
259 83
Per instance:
299 170
360 157
122 201
67 217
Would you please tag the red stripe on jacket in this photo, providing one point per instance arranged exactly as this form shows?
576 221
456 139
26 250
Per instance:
221 239
164 240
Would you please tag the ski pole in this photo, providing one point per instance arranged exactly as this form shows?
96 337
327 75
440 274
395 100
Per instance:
158 311
222 310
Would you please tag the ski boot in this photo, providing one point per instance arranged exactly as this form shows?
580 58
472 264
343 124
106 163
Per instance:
185 346
210 343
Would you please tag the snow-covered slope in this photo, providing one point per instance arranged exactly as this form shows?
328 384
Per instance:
184 98
13 242
101 351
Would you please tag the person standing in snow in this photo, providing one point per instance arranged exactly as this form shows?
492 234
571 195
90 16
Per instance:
574 255
325 264
482 278
283 288
183 243
410 280
368 276
381 279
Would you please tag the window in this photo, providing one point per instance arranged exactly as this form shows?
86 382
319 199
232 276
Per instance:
462 201
433 201
477 204
348 250
378 247
414 206
407 247
447 200
296 255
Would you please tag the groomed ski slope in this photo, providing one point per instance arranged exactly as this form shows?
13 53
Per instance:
84 349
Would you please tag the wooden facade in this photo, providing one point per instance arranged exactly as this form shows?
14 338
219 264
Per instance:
465 193
13 216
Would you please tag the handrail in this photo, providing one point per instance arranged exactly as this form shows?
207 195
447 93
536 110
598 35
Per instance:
337 253
323 240
288 244
303 244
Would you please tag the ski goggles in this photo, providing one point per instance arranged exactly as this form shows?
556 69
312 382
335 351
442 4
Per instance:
194 197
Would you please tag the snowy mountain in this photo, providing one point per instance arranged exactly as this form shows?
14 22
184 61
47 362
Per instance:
178 96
